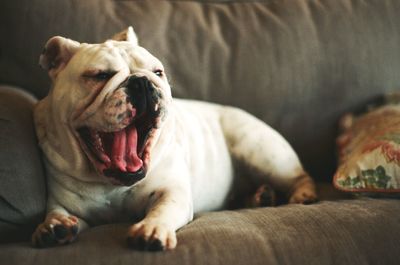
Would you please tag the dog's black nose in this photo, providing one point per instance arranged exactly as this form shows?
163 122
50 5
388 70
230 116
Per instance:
137 89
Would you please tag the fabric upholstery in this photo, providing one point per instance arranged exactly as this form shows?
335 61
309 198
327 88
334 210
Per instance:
22 185
298 64
342 232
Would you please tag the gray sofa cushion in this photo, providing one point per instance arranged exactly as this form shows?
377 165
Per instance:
22 186
364 231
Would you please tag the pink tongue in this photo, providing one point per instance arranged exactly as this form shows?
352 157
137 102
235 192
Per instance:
123 153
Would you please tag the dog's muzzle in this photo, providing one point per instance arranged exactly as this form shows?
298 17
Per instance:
121 155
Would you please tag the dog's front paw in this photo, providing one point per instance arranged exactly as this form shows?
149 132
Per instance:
151 236
304 191
56 230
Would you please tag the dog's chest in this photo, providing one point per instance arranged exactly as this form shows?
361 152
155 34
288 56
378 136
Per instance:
105 209
94 203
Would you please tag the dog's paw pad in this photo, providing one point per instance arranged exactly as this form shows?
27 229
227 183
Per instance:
60 231
151 237
46 239
55 231
142 244
310 200
156 245
265 196
74 230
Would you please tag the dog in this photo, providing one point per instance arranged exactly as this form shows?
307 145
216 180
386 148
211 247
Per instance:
119 148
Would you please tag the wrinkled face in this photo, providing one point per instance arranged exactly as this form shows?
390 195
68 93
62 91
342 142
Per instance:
115 96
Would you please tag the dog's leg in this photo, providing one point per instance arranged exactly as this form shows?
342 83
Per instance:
169 209
266 151
58 228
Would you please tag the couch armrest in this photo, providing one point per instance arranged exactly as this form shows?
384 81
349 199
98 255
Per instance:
22 180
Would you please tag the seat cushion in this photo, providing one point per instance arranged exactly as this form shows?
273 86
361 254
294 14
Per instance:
340 232
22 188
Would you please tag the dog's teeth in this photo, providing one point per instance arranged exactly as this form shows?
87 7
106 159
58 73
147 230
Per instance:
97 147
97 141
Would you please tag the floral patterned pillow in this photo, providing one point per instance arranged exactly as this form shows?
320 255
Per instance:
369 152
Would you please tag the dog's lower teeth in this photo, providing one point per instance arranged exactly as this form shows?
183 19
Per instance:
98 144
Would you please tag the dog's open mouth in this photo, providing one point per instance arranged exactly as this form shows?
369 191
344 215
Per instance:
121 155
118 155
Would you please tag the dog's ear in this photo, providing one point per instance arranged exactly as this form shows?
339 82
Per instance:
127 35
56 54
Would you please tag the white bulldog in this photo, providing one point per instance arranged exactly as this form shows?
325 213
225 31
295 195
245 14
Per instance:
119 148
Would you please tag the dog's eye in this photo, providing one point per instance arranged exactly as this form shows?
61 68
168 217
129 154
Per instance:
158 72
103 76
98 76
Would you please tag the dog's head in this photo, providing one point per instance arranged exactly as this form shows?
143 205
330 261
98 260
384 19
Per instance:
112 97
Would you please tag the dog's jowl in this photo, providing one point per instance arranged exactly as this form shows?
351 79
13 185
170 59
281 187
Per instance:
119 148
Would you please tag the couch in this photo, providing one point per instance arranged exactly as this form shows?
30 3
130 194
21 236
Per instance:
296 64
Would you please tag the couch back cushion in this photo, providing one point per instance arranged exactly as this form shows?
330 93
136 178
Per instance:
298 65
